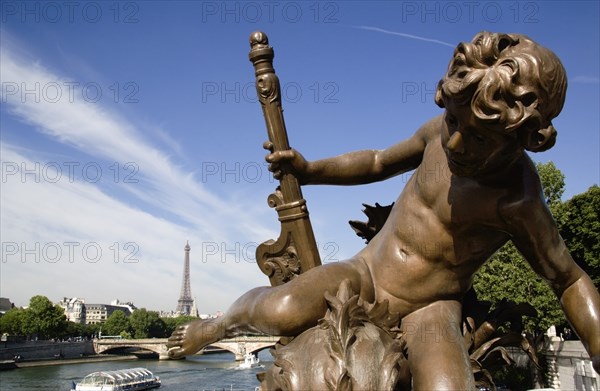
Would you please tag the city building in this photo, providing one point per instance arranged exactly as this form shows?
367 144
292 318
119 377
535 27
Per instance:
75 310
128 305
5 305
99 313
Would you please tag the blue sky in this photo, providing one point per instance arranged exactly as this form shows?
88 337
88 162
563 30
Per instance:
129 128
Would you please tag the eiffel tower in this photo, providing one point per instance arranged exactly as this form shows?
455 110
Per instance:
185 302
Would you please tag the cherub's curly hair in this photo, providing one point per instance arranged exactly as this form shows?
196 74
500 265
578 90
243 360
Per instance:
508 80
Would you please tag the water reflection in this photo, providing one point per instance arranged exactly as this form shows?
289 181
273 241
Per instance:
206 372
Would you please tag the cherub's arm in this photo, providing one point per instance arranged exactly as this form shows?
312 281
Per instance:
359 167
535 235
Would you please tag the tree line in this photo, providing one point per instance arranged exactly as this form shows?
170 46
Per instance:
44 320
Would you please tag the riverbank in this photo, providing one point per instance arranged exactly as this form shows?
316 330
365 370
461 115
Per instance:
45 350
62 361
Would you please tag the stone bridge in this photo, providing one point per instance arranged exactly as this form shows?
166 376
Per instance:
238 346
246 344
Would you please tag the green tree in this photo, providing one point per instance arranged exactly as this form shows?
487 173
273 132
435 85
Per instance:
147 324
579 225
170 325
508 276
126 335
74 330
91 330
553 182
12 322
116 324
44 319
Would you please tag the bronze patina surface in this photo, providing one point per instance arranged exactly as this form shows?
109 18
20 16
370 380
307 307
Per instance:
401 297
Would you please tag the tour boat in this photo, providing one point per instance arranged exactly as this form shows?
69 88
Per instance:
250 361
133 379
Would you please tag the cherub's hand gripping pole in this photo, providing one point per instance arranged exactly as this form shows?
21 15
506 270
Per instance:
295 251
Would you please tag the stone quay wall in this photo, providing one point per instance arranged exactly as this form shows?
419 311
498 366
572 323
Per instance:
40 350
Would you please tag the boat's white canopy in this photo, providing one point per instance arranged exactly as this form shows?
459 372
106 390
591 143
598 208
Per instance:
122 376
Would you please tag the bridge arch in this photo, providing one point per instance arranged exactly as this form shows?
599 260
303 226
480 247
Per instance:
117 349
155 345
238 346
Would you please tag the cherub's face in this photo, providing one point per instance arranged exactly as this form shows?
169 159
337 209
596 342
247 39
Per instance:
476 149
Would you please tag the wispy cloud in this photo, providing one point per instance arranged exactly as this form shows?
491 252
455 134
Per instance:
66 237
47 211
404 35
71 238
93 130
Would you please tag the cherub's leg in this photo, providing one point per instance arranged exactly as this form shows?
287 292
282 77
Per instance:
284 310
437 355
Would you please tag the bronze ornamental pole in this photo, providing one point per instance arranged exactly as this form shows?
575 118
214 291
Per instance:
296 250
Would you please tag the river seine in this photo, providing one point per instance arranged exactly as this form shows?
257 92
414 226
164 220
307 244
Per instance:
205 372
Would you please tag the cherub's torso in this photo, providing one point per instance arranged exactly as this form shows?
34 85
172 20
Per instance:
440 231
